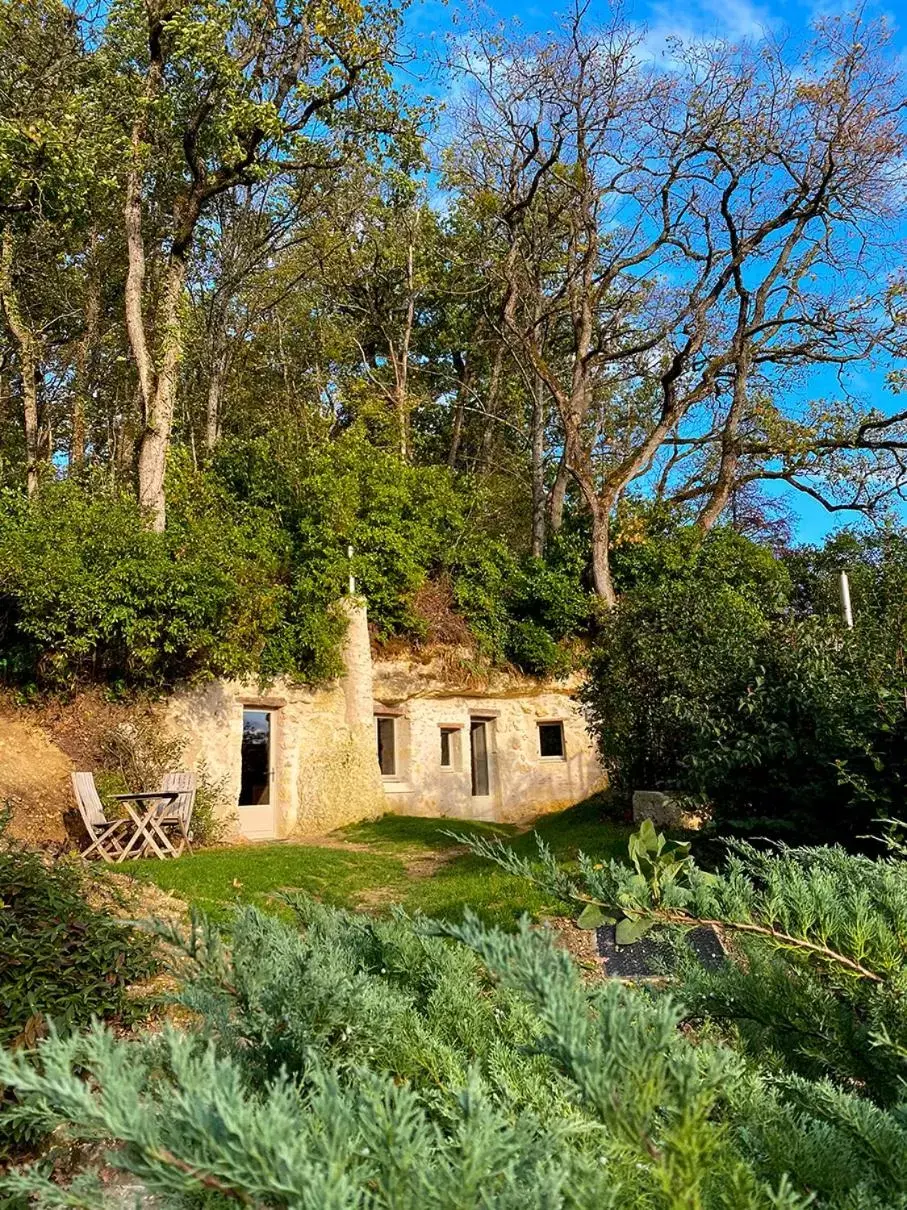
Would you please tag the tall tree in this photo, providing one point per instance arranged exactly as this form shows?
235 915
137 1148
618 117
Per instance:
221 95
49 143
704 226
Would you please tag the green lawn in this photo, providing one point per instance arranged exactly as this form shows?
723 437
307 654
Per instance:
393 860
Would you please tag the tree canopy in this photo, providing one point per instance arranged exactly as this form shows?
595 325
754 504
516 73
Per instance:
585 294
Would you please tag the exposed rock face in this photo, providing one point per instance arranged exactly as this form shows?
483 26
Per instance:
325 772
663 810
34 780
324 759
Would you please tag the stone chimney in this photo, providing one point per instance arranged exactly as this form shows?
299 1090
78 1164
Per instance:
358 687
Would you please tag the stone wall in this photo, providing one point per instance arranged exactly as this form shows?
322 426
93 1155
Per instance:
325 766
664 811
522 782
325 773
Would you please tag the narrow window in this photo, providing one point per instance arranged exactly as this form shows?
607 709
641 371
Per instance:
478 745
448 735
255 781
551 740
387 748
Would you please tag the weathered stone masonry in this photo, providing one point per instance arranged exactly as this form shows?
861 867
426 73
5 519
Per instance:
324 768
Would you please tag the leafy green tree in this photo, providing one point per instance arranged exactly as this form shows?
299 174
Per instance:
667 662
87 592
214 96
54 165
727 675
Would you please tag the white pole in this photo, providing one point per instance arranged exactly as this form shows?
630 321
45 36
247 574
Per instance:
349 551
844 590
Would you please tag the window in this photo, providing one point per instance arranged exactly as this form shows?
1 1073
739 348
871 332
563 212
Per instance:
387 745
551 740
449 740
255 757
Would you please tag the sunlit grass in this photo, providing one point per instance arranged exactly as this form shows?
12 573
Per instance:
411 862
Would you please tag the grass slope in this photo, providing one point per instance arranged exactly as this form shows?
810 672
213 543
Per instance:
393 860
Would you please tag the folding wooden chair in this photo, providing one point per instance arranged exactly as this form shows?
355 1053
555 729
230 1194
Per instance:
178 814
106 834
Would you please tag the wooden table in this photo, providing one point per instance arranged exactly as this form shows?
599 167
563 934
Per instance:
146 826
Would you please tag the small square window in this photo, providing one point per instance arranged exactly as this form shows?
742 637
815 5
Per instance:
551 740
387 745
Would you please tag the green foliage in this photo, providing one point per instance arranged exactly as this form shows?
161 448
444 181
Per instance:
527 610
667 658
815 736
817 976
728 677
87 591
49 130
668 551
61 960
659 861
406 524
59 957
346 1061
402 521
138 754
659 864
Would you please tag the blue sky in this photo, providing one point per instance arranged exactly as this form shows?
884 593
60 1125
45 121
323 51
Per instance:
430 22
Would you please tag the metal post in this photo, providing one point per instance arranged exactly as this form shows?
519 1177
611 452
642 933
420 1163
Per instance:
844 590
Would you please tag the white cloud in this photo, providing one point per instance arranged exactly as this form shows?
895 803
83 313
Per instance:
702 21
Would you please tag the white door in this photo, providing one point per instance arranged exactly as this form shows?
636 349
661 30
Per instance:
257 808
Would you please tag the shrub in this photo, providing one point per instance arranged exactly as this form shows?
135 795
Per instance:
707 682
354 1061
60 959
667 660
87 592
815 738
817 972
137 754
407 524
400 519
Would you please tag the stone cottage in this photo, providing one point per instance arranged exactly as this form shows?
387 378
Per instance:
391 735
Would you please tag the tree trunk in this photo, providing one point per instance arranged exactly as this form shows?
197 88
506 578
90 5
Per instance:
730 450
216 389
486 442
601 563
27 346
403 383
538 468
557 496
123 436
456 434
85 351
155 439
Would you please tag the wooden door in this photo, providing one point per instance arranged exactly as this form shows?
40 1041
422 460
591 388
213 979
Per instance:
478 744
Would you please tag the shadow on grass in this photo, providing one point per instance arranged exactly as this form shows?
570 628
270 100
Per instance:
417 831
500 898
